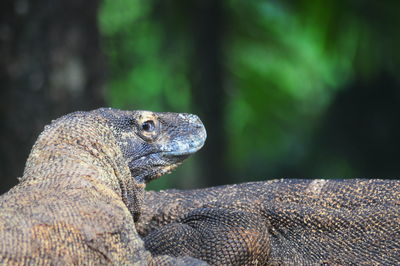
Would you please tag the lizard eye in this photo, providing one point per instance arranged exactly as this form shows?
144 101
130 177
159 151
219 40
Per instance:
148 126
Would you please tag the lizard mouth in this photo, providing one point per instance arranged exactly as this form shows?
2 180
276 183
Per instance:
158 157
178 154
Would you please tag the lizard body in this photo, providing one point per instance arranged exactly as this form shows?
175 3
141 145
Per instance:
83 187
81 200
307 222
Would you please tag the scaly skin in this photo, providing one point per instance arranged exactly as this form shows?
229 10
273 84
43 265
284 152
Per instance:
83 187
307 222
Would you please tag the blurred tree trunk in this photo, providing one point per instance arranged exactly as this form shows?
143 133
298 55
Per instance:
50 64
208 94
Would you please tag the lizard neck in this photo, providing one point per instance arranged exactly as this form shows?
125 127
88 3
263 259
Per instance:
78 155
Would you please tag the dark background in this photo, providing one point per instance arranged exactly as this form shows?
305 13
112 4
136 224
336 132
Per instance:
286 89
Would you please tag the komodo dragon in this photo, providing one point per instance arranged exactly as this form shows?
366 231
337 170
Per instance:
308 222
83 186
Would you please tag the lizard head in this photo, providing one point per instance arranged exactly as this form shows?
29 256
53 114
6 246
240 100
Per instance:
153 143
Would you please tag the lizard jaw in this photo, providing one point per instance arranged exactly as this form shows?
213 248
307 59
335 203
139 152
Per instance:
154 172
151 166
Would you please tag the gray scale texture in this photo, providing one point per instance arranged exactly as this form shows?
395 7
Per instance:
302 222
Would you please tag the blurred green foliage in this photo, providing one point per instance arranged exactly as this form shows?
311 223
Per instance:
283 76
145 73
284 62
